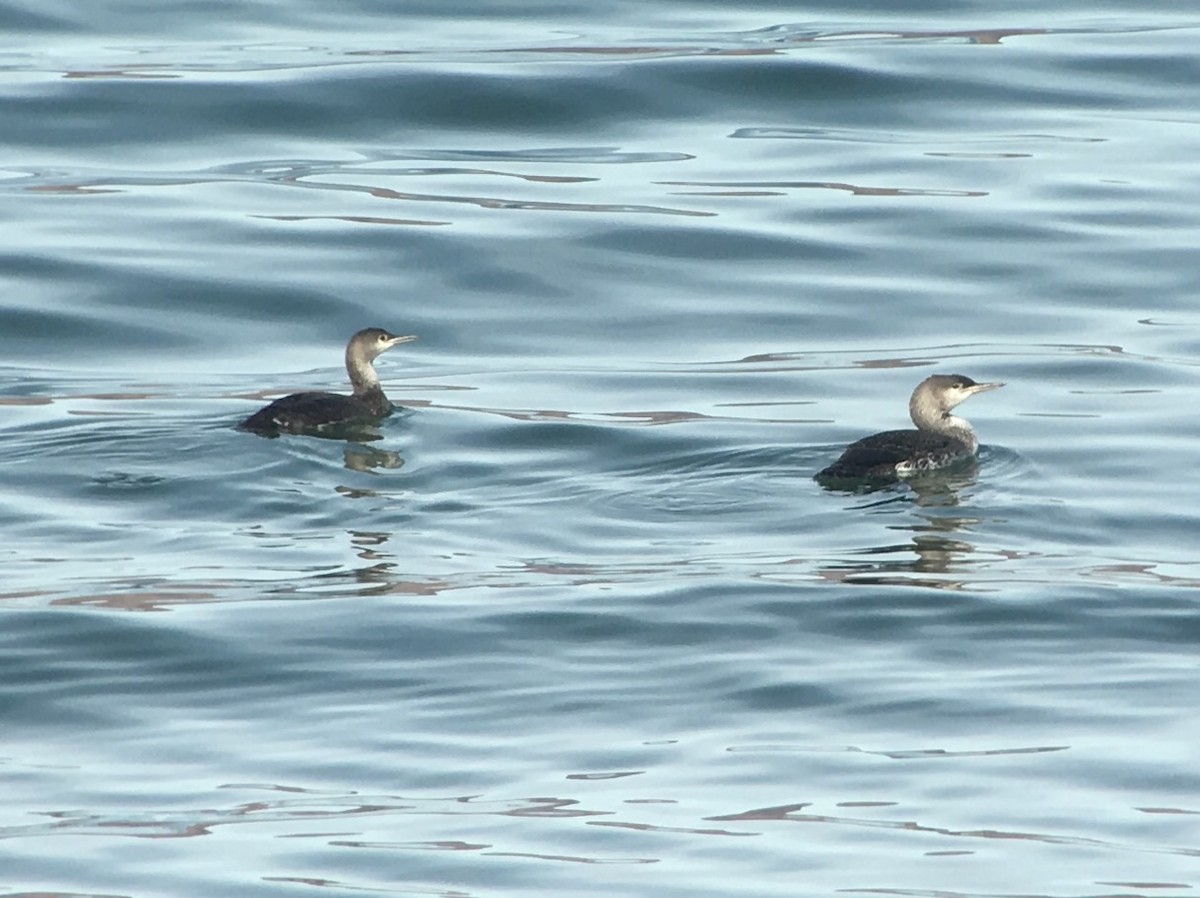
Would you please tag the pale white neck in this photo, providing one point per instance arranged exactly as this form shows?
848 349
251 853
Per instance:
362 372
929 417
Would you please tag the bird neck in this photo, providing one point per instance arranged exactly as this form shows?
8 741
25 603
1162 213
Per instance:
961 430
929 417
362 373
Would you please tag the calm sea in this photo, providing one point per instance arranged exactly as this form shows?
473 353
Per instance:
580 622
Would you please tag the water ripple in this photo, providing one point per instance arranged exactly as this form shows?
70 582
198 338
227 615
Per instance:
157 60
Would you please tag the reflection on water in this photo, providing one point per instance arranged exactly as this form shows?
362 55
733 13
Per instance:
943 489
364 459
940 542
923 556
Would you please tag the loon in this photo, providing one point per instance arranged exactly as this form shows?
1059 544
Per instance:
313 412
940 438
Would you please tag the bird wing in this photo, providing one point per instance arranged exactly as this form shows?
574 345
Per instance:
290 412
878 454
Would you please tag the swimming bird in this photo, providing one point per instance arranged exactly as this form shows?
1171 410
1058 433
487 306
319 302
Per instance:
940 439
314 412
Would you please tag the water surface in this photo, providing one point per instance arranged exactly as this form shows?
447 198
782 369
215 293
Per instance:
579 621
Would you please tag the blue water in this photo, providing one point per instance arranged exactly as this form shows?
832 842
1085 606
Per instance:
580 622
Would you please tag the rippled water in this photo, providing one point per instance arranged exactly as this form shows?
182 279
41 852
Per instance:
579 621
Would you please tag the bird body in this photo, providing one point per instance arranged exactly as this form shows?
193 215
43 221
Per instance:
941 439
314 412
